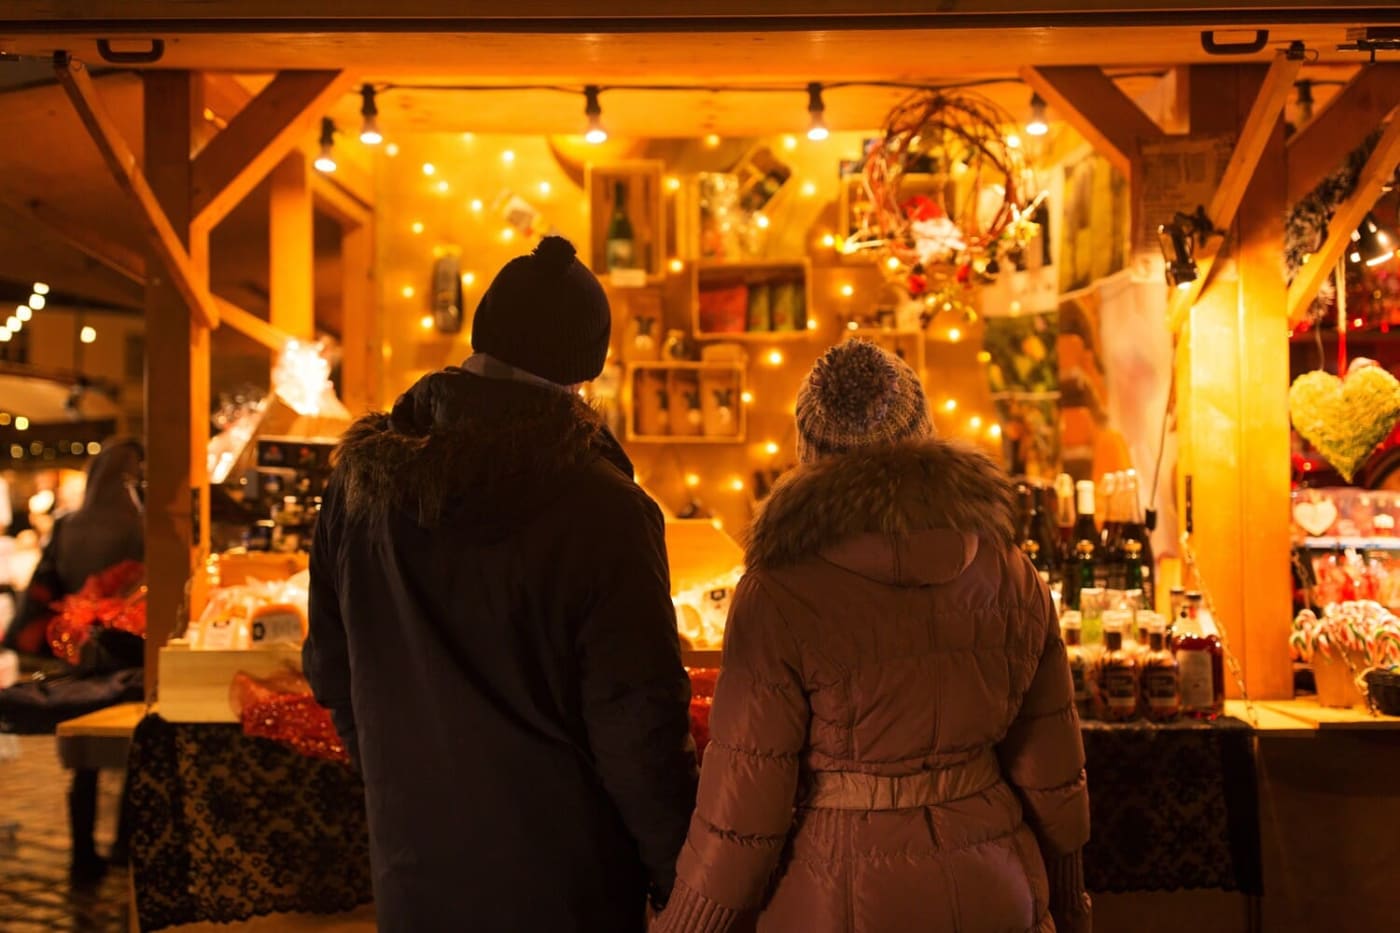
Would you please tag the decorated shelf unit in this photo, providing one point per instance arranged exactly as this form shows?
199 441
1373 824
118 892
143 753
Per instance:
685 402
627 234
755 299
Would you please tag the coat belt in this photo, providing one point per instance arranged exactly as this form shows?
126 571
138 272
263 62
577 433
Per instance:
855 790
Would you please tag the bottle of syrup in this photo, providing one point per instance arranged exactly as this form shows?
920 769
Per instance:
1161 677
1200 661
1119 677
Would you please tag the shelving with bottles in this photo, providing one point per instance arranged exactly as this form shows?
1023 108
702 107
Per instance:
627 224
685 402
752 299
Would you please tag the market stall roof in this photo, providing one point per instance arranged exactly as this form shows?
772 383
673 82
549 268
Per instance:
47 400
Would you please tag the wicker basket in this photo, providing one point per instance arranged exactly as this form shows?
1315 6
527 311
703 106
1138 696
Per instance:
1336 682
1384 690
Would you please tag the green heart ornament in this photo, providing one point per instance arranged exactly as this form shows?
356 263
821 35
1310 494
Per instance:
1345 419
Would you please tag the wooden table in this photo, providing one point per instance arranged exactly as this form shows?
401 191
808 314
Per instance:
99 740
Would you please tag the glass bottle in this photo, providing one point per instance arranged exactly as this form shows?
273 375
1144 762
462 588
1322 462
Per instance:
1080 575
1078 665
1200 661
1119 677
1161 677
1064 518
1133 572
1084 527
1134 528
1032 550
1107 501
621 242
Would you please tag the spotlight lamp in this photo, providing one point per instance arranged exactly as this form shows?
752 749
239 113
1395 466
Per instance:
1305 100
816 129
594 112
325 162
1037 124
1371 243
1179 239
369 128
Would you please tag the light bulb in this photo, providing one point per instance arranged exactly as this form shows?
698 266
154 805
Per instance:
545 188
369 127
88 335
325 162
809 188
507 235
816 109
21 423
94 448
775 357
5 335
994 432
417 227
954 335
429 168
771 448
892 263
407 291
829 240
476 205
41 288
692 480
369 132
673 183
508 156
847 290
468 279
392 149
712 140
595 133
811 323
736 484
762 221
426 322
442 187
1036 125
14 324
789 143
852 325
975 423
24 313
1013 141
950 405
677 265
747 397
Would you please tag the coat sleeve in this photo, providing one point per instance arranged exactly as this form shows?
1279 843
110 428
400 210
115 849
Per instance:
325 658
1042 757
635 693
748 786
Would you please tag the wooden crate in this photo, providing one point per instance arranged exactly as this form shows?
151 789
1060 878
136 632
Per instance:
752 273
193 686
630 403
645 188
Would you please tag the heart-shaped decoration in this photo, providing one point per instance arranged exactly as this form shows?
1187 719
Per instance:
1316 518
1345 419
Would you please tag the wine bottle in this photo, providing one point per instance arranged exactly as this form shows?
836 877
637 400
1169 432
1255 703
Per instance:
1085 529
1134 528
621 243
1080 576
1064 516
1043 532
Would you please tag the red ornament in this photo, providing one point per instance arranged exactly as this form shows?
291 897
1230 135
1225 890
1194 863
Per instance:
964 273
921 207
917 284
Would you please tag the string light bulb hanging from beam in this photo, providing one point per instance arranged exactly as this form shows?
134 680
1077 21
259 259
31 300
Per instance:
594 112
816 108
325 162
369 127
1037 124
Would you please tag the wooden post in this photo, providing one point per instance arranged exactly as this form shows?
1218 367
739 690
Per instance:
359 367
177 375
292 251
1233 403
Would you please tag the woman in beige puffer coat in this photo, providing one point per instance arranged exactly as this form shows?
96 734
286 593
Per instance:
894 746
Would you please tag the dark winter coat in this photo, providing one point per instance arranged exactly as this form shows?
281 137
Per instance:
492 629
894 746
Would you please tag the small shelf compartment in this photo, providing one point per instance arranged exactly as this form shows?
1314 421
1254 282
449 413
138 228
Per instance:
757 299
685 403
640 184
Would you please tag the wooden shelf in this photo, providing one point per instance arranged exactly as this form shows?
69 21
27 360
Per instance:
642 182
1331 543
741 280
710 390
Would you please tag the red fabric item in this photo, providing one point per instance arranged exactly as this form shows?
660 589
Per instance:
281 708
114 598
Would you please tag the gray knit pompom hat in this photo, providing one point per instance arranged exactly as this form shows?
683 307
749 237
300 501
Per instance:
859 395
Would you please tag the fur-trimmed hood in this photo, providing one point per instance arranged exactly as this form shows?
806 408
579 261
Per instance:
484 450
911 513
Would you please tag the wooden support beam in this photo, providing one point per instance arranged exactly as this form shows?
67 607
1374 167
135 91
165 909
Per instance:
1318 148
263 132
250 325
166 244
1348 216
1258 129
359 340
1096 107
81 237
292 291
348 209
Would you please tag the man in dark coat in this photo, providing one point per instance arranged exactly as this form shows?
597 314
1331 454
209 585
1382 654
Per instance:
492 630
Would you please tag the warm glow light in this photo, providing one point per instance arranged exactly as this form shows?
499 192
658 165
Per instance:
94 448
545 189
829 240
975 423
476 205
24 313
1013 141
325 162
811 323
762 221
771 448
747 397
508 156
88 335
1356 322
14 324
426 322
954 335
507 234
775 357
959 169
673 183
468 137
736 484
429 168
892 263
809 188
5 335
596 135
692 480
417 227
847 290
712 140
37 302
1015 308
21 423
1183 286
983 356
994 432
392 149
950 405
41 288
789 143
407 291
852 325
468 279
677 265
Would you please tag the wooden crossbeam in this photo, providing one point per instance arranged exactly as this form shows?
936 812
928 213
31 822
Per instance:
122 163
1096 107
258 137
1348 216
1317 150
113 255
1261 123
250 325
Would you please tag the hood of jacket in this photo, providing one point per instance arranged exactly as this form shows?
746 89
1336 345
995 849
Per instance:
482 451
908 515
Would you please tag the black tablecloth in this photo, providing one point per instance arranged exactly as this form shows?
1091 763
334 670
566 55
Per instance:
1172 807
227 827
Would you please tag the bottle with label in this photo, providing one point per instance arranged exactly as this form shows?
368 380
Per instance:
1032 550
1143 620
1084 527
1119 675
1178 603
1064 517
1200 661
1106 499
1078 665
1161 679
1134 528
1133 573
621 243
1080 575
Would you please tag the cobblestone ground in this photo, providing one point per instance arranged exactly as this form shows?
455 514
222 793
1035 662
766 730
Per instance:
35 894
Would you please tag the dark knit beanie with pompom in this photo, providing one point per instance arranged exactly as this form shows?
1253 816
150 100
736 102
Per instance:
547 314
859 395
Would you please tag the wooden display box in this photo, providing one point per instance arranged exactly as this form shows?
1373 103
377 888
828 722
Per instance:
642 184
193 686
728 300
720 386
